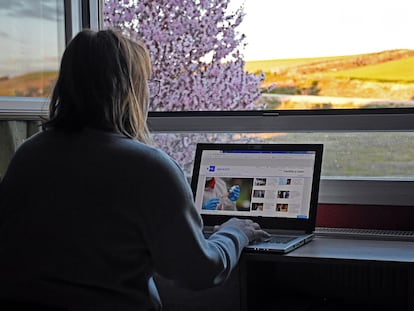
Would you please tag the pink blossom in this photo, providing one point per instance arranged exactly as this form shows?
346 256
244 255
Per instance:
196 52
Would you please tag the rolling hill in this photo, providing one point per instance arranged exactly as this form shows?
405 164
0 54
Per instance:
37 84
387 75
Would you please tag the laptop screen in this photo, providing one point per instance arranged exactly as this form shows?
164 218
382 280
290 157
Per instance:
266 181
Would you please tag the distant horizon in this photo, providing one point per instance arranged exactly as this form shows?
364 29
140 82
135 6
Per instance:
252 60
327 56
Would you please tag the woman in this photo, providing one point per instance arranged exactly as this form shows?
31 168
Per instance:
89 211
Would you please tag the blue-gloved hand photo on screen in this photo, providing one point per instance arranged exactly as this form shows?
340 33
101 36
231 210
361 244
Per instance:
211 204
234 193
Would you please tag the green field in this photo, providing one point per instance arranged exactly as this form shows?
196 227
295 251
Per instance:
394 66
364 154
401 70
386 75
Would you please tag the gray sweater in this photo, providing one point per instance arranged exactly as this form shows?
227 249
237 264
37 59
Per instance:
86 220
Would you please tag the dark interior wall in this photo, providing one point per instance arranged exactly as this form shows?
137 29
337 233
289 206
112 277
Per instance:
365 216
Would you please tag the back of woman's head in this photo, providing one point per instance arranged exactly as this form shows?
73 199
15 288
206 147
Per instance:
102 84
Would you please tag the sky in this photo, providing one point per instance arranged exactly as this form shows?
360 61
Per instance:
31 36
278 29
274 29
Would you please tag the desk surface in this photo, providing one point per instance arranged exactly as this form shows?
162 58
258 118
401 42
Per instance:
351 249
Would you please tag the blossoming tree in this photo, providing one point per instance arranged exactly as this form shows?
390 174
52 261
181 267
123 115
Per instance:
195 52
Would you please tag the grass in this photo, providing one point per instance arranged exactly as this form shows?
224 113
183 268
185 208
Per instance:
387 66
370 154
401 70
382 75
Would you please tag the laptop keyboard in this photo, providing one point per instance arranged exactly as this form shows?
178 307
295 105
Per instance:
280 239
272 239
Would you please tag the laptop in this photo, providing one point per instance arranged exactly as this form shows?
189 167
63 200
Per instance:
275 185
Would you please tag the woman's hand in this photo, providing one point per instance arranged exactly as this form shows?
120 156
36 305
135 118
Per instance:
249 227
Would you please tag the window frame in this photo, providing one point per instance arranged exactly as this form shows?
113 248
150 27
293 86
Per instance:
256 121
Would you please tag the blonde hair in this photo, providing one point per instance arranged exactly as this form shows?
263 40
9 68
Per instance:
102 84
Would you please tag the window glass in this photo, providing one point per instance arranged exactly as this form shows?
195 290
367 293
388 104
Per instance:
326 54
382 155
32 37
296 54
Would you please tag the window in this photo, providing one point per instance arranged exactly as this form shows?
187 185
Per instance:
32 40
299 54
386 126
33 37
331 55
